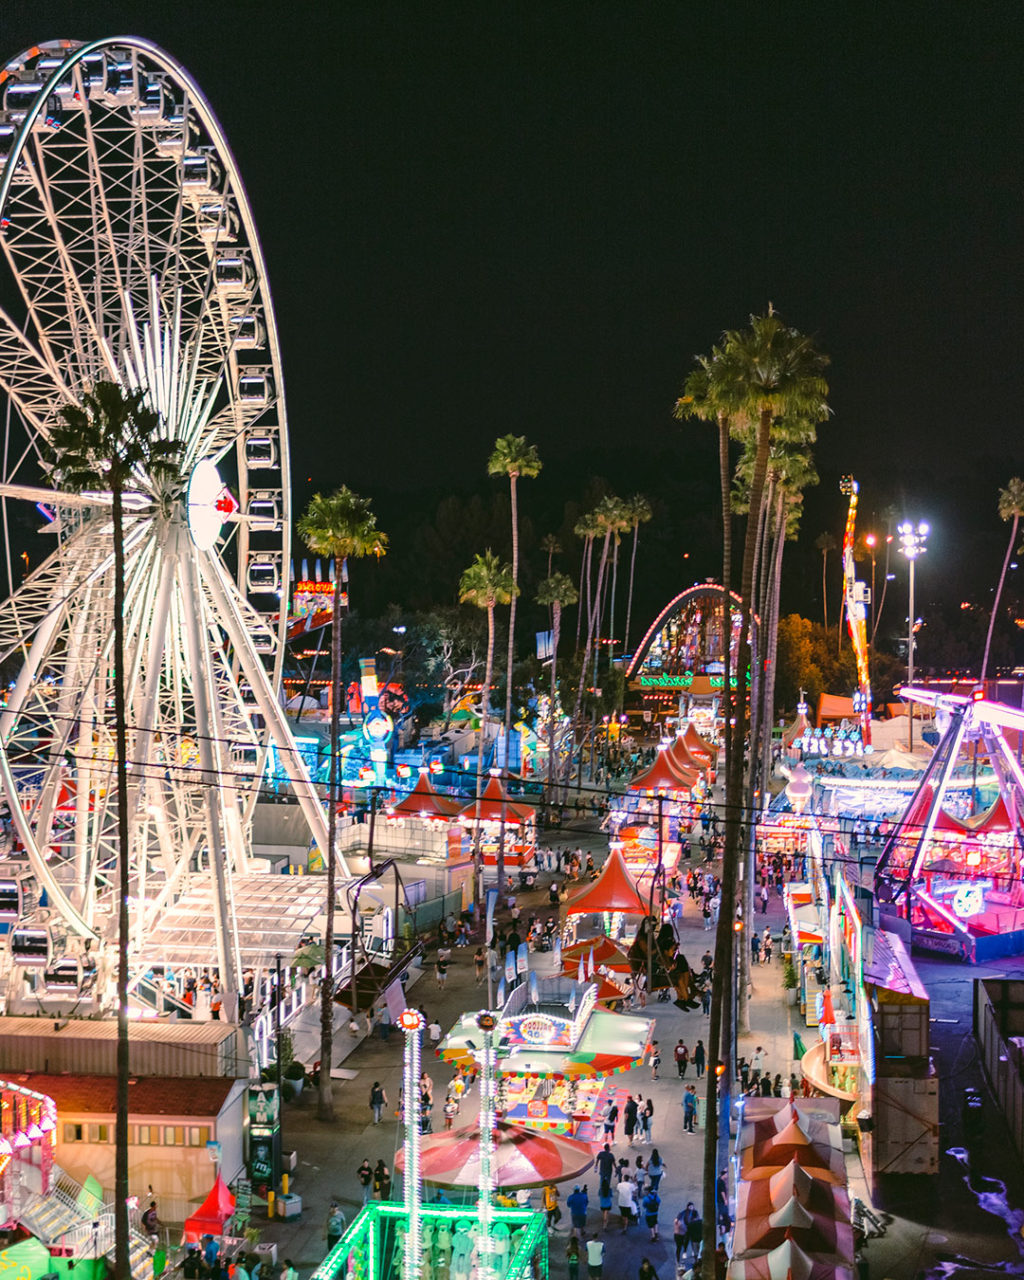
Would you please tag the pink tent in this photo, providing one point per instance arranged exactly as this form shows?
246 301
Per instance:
210 1217
819 1233
763 1197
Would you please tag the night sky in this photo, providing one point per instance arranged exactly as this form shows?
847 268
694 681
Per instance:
528 218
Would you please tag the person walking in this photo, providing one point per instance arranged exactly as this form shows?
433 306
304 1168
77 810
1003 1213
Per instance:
679 1232
611 1119
479 964
334 1227
365 1175
551 1198
705 999
755 949
699 1058
694 1232
604 1202
381 1181
441 971
605 1166
651 1206
378 1101
757 1063
647 1120
595 1259
764 899
630 1113
689 1108
766 945
655 1060
572 1258
625 1192
577 1203
655 1170
682 1057
451 1110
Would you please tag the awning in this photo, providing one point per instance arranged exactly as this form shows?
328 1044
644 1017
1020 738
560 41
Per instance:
522 1157
210 1217
272 912
424 801
495 804
665 775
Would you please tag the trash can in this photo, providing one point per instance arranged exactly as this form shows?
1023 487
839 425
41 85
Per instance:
289 1207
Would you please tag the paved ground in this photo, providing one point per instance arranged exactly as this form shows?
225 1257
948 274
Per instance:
329 1154
953 1226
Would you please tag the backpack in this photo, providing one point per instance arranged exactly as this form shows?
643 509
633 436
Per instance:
376 1097
695 1230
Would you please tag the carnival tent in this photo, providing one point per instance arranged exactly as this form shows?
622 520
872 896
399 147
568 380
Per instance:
762 1159
683 760
210 1217
522 1157
697 746
613 890
814 1232
605 953
424 801
494 803
789 1262
788 1126
664 775
765 1195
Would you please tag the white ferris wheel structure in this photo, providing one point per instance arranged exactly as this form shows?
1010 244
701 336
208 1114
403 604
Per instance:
132 257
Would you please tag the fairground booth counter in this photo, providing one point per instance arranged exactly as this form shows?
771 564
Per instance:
557 1052
871 1055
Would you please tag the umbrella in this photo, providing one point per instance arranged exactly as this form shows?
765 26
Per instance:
522 1157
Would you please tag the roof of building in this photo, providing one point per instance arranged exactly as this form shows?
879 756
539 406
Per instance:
201 1097
155 1030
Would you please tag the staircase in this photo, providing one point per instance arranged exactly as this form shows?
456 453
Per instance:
71 1219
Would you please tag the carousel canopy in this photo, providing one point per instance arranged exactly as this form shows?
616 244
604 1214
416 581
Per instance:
522 1157
664 775
424 801
613 890
493 803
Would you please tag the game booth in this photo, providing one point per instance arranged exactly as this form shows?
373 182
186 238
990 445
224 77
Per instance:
496 811
557 1052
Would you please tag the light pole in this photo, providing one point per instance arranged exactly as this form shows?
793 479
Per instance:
412 1023
913 543
487 1024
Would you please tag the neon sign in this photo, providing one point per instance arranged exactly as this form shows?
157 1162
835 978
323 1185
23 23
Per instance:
682 681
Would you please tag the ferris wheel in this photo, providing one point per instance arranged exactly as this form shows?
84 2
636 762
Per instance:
134 259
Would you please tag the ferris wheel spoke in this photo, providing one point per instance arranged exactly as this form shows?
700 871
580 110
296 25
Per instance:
34 385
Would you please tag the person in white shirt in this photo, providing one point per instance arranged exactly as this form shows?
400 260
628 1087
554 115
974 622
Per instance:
595 1259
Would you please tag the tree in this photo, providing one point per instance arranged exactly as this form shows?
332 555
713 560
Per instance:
343 527
825 543
111 441
766 372
639 511
550 545
486 583
556 591
511 457
608 519
1011 507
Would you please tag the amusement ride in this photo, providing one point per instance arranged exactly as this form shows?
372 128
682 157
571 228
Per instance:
134 259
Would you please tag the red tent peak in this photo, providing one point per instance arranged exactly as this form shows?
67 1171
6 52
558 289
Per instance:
613 890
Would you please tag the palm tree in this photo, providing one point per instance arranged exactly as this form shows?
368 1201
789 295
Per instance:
514 458
766 372
486 583
639 510
825 543
343 527
556 591
550 544
110 441
608 520
1011 507
587 528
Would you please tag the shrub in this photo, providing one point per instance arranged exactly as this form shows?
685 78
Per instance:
788 974
288 1091
294 1071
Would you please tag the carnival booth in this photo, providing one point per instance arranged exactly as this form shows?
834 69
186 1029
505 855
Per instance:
556 1051
495 808
213 1213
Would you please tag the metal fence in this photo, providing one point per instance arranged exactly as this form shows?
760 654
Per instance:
427 915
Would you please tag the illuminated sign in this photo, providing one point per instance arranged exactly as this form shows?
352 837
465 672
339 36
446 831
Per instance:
969 899
314 588
411 1020
539 1030
682 681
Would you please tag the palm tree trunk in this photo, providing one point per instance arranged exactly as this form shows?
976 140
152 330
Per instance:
824 586
629 598
881 603
720 1047
325 1094
773 641
122 1264
584 573
508 670
999 593
485 708
611 608
556 613
591 624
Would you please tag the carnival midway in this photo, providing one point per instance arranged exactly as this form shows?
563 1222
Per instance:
565 1035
